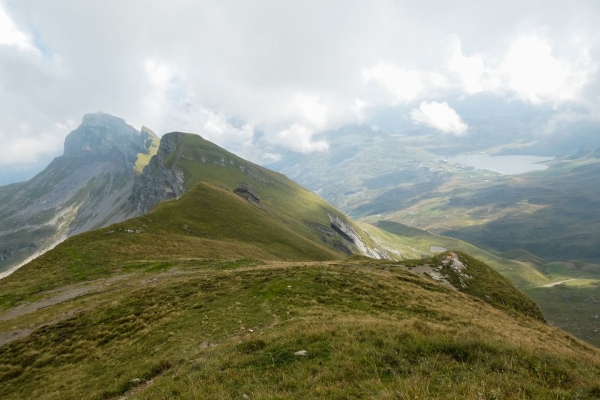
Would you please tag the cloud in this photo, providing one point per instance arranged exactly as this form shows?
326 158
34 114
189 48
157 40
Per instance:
262 77
528 70
10 35
535 75
299 138
439 116
27 146
471 71
403 85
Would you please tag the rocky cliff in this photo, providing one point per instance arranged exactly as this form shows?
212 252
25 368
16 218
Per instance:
157 182
105 137
345 230
86 188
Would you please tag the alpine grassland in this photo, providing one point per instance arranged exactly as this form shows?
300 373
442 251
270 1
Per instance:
337 329
214 296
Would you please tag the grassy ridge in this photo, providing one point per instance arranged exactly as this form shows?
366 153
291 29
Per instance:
487 284
285 200
210 296
220 330
209 222
520 273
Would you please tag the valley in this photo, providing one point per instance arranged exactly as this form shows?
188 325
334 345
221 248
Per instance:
542 221
391 200
229 277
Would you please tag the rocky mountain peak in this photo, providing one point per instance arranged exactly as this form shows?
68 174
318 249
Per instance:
105 137
159 183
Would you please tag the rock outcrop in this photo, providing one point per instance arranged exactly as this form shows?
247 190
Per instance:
157 182
103 137
247 192
348 233
86 188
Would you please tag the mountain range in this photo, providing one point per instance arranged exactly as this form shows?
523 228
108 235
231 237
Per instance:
189 272
544 220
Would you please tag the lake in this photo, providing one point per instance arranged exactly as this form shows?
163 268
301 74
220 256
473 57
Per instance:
507 165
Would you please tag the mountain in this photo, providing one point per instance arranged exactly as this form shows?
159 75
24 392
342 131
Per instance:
185 160
539 229
86 188
360 164
236 284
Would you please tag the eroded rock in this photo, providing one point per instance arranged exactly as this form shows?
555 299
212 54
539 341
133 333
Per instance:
248 193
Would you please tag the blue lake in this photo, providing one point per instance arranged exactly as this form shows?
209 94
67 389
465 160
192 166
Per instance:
507 165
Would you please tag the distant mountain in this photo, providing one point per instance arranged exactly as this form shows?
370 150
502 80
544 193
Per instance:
540 229
238 284
185 160
360 164
111 172
86 188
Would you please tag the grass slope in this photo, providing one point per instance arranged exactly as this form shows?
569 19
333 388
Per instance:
291 204
199 329
487 284
144 158
520 272
208 222
210 296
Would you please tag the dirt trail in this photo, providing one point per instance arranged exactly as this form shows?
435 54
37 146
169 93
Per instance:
59 295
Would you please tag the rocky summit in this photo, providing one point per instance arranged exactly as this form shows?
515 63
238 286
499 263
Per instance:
86 188
105 137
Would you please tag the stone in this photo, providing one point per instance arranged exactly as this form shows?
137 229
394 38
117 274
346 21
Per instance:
347 232
105 137
248 193
158 183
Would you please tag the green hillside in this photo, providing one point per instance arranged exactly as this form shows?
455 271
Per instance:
216 295
217 329
521 273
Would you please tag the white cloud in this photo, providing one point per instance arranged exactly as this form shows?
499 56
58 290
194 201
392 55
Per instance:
472 72
10 35
439 116
299 138
535 75
26 146
310 109
403 85
529 71
170 104
256 77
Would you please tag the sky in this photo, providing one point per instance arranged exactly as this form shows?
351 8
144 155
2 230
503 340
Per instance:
264 77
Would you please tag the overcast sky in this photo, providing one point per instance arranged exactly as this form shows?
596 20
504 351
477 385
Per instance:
260 76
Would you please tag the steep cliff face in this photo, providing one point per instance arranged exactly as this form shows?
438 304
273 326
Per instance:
105 137
186 159
158 182
86 188
345 230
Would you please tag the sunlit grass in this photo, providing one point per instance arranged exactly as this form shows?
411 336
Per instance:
219 330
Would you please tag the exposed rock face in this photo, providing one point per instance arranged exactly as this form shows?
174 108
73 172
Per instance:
328 236
348 233
322 229
86 188
452 261
157 182
104 137
248 193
